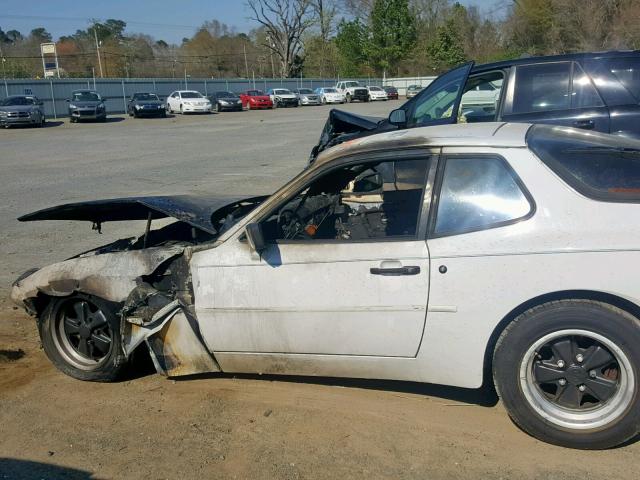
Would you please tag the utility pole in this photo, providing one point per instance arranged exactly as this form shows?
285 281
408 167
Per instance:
246 65
4 71
95 35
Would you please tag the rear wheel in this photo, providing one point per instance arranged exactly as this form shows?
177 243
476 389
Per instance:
567 372
348 98
81 336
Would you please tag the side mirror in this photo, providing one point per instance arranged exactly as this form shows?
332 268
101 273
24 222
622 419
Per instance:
398 117
67 100
256 237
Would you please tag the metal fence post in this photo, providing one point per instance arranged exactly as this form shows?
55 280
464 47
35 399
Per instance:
124 98
155 90
206 94
53 100
6 88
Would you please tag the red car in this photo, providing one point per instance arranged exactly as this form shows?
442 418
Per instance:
252 99
392 92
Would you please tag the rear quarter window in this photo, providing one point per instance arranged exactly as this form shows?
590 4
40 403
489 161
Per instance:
600 166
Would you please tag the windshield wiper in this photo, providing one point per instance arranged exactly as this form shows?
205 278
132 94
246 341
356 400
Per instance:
626 150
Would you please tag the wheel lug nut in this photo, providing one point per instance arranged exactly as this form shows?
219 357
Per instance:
582 388
562 382
579 358
593 374
560 363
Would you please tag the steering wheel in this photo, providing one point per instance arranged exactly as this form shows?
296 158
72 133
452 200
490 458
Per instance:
292 226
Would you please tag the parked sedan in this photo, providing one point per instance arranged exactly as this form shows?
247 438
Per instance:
306 96
492 253
86 105
253 99
21 110
224 100
413 90
377 93
330 95
282 97
392 92
188 101
145 104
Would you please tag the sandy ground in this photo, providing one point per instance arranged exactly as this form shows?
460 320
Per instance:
221 426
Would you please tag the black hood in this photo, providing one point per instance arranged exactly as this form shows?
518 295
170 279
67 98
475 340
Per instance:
192 209
342 126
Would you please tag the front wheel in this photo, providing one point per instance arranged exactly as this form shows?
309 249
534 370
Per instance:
567 372
348 98
81 336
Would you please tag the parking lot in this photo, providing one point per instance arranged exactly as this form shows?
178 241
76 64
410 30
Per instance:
221 426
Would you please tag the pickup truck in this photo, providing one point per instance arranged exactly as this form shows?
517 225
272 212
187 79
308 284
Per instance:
352 90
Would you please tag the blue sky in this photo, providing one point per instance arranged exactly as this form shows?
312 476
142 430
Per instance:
174 19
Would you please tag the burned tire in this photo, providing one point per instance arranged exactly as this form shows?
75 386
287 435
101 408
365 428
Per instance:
567 372
81 336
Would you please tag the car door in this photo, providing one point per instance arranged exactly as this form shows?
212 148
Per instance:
345 283
559 93
436 104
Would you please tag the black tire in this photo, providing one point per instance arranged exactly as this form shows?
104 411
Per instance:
347 98
539 402
58 343
73 120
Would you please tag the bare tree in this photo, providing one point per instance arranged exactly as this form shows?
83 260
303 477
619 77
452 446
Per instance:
324 13
285 21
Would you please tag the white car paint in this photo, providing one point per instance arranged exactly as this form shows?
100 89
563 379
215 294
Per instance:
377 93
181 101
313 308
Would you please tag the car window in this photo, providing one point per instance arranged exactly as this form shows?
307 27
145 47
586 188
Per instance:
191 95
479 101
542 87
373 200
627 72
438 100
600 166
85 97
583 93
16 101
477 193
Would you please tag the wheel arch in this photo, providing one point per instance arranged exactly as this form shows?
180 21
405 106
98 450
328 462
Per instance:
595 295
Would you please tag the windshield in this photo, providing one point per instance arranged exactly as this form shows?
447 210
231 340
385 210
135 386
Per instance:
438 100
282 92
375 89
305 90
391 89
145 96
330 90
255 93
85 97
191 95
414 87
351 84
11 101
226 95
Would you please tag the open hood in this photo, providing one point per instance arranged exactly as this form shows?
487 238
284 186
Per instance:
342 126
192 209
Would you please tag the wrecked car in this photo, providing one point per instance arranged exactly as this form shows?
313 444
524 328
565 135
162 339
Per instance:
591 91
462 255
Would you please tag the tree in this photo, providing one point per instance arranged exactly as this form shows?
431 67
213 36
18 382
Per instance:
351 42
40 35
393 33
446 50
14 36
285 22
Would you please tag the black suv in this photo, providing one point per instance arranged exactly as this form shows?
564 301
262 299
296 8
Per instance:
592 91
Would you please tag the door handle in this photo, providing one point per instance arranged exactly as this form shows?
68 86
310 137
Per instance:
396 271
586 124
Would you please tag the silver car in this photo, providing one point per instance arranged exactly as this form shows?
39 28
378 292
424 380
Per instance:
21 110
306 96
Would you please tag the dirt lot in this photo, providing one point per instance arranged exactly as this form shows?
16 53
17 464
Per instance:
219 426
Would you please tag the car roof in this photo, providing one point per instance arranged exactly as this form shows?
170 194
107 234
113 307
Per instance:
84 90
484 134
555 58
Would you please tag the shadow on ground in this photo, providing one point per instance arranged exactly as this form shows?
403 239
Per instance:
13 469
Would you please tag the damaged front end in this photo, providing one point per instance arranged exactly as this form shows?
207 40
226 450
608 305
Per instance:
147 278
342 126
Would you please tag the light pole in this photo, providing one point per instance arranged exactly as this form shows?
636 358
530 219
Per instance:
95 36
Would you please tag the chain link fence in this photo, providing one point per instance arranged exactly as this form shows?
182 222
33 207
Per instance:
116 91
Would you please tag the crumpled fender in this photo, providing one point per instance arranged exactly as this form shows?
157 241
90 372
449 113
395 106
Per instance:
110 276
